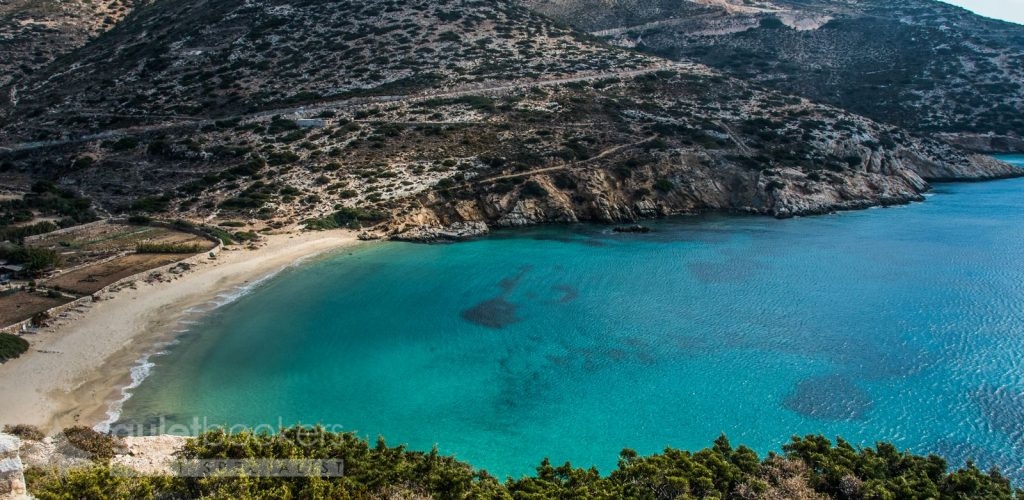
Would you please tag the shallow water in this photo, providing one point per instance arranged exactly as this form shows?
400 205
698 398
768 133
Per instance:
902 324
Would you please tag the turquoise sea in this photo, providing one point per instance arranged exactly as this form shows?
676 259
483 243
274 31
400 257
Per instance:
572 342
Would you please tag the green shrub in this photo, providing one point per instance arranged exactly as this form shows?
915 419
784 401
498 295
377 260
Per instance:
35 260
243 236
564 181
125 144
100 447
19 233
351 218
812 467
224 236
11 346
175 248
47 199
151 204
532 189
664 186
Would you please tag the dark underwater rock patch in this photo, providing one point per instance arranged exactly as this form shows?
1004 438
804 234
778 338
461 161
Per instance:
833 397
510 283
495 313
569 293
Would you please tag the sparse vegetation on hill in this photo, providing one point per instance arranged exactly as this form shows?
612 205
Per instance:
44 200
437 113
922 65
34 33
257 55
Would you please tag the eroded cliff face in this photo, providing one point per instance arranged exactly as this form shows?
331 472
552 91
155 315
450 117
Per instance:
688 183
987 143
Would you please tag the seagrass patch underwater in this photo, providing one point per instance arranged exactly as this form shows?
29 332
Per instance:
902 324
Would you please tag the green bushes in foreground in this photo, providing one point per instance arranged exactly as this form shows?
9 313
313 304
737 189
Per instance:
810 468
11 346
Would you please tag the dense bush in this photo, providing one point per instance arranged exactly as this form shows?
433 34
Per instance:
351 218
88 443
35 260
46 199
151 204
19 233
224 236
533 189
11 346
664 185
146 247
811 467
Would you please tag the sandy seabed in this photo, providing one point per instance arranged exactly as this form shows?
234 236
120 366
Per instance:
76 367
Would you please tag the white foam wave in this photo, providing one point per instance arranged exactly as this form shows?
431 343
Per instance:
139 372
224 298
143 366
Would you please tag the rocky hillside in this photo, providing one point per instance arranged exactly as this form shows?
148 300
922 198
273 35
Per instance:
33 33
193 59
923 65
431 115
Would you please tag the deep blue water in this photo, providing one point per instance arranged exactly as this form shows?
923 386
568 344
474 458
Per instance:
902 324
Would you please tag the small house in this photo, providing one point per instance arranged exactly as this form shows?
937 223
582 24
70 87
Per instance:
8 271
311 122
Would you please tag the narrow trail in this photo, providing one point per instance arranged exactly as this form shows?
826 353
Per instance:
352 103
732 135
603 154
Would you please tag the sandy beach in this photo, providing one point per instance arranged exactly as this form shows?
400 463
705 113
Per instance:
77 366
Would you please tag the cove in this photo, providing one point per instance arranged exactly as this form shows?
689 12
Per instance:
903 324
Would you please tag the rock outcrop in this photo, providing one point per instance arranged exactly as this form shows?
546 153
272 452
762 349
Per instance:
692 184
12 473
149 454
456 231
144 454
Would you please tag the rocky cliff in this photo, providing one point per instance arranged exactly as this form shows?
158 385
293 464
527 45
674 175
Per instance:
685 183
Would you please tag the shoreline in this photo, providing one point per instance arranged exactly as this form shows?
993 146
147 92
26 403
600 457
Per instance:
79 365
77 369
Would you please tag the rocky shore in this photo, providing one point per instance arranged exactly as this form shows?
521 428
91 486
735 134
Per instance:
688 185
148 455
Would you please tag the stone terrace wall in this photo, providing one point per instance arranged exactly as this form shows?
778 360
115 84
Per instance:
25 326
